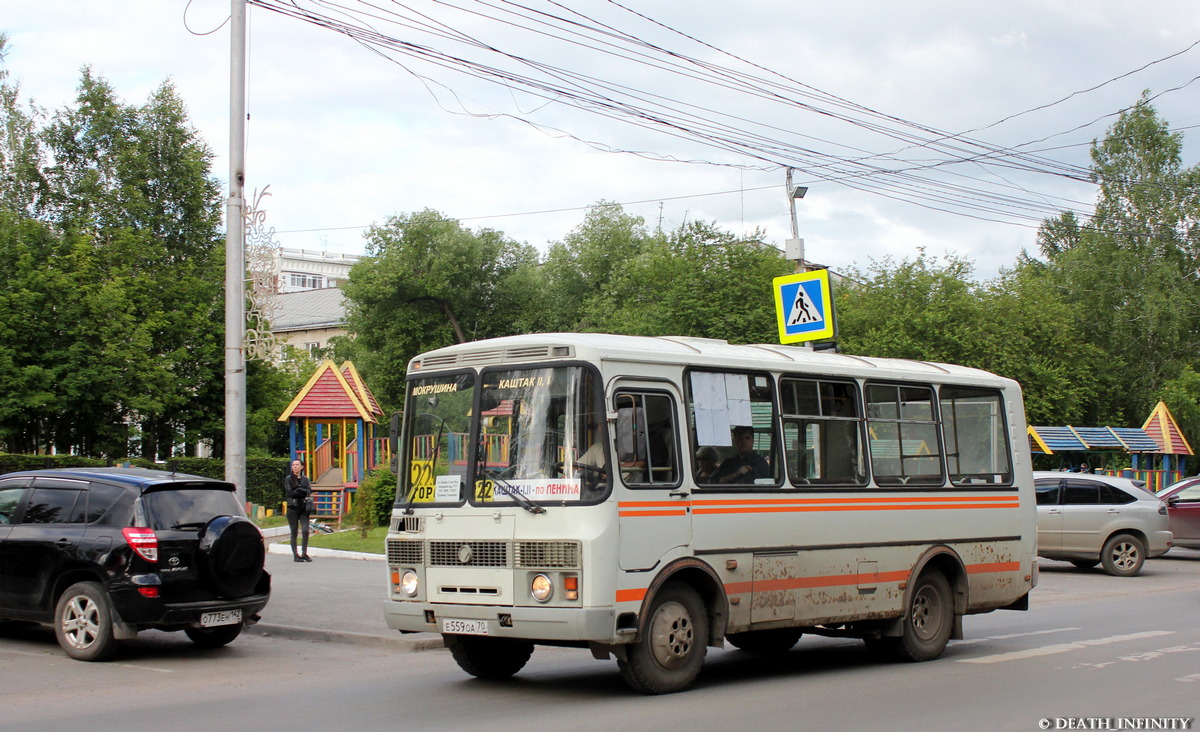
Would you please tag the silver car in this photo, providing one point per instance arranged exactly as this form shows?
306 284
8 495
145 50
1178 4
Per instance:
1097 519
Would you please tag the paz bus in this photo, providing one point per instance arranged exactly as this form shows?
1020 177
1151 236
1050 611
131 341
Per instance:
650 497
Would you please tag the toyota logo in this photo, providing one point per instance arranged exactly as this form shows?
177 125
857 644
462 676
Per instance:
464 554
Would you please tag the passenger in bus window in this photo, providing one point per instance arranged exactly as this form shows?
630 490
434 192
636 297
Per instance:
747 465
706 465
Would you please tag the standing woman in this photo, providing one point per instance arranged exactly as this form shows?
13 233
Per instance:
297 491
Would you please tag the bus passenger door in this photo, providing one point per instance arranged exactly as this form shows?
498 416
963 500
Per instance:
654 506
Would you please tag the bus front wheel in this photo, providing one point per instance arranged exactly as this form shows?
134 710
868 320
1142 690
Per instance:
489 658
668 656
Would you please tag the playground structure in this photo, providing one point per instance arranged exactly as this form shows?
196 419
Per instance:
332 426
1157 451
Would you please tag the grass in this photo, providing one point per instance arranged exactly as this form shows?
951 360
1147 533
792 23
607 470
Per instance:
351 540
270 522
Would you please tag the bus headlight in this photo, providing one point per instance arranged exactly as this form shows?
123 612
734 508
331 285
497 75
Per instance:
408 583
541 588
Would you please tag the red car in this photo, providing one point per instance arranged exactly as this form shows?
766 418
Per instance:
1183 511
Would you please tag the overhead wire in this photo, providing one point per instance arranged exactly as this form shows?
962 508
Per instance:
885 174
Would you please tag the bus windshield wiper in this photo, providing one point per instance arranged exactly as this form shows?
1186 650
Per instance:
437 446
507 488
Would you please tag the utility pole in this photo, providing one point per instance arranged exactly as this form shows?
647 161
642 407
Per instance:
794 248
235 257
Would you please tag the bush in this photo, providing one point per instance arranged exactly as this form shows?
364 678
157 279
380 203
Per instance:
373 502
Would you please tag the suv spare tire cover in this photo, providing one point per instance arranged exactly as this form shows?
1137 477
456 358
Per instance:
232 555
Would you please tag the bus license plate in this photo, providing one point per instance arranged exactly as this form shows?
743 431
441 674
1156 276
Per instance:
464 627
220 617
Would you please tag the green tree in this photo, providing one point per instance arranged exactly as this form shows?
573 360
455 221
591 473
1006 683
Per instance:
1016 325
22 186
584 272
428 282
699 281
114 275
1130 271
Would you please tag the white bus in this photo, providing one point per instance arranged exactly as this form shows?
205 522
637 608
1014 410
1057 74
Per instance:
647 498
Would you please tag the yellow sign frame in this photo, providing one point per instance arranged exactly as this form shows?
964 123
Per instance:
812 292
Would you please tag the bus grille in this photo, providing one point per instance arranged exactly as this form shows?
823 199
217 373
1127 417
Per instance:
405 551
547 554
481 553
407 524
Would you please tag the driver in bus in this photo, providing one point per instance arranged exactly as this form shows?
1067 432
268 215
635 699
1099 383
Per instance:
747 465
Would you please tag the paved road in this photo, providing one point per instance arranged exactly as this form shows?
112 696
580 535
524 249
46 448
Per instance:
1092 646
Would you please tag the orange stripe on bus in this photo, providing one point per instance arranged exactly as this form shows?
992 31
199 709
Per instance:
652 504
796 583
819 501
631 595
652 513
799 509
993 567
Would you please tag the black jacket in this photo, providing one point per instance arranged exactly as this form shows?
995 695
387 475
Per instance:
295 492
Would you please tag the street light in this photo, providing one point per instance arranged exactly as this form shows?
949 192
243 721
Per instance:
794 248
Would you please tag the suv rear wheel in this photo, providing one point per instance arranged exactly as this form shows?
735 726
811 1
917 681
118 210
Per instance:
216 637
83 623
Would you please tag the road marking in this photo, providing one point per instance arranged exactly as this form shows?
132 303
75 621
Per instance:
1065 647
1194 678
137 667
1011 635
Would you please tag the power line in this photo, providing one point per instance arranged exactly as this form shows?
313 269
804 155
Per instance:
935 183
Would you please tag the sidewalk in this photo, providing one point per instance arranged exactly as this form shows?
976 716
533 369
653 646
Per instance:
339 596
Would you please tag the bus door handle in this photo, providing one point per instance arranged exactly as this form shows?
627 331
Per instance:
679 493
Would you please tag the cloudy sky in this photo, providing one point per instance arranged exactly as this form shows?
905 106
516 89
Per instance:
945 125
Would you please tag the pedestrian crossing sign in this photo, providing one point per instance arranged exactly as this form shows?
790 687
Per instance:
804 306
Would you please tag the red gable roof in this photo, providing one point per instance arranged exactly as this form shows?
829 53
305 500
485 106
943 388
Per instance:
328 395
350 374
1162 428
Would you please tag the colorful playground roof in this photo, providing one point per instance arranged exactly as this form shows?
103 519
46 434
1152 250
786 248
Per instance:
334 394
1160 435
1161 427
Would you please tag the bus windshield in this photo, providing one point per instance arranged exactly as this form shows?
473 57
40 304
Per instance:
437 425
541 437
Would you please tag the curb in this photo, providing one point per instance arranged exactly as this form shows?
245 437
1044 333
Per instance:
407 643
283 547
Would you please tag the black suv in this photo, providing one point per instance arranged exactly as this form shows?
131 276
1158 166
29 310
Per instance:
101 553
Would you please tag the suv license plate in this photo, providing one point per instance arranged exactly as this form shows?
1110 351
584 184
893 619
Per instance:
464 627
220 617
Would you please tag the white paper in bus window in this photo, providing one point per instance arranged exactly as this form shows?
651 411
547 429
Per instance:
712 410
447 489
737 396
712 427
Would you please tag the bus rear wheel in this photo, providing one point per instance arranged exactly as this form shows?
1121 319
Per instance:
489 658
927 624
668 656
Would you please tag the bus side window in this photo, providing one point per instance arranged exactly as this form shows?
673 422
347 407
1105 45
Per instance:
647 439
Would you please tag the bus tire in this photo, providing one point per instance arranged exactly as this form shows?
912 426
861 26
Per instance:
765 642
927 623
490 658
668 656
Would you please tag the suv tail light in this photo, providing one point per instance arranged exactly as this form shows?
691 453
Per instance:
142 541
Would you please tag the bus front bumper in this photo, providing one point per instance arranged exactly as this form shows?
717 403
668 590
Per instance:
594 624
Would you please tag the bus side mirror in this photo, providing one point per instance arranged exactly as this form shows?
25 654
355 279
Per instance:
631 435
394 432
